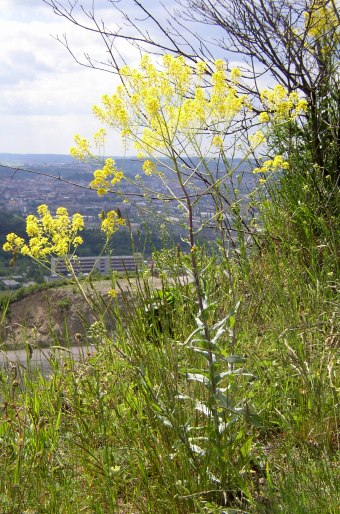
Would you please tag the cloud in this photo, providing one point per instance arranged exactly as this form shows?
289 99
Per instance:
49 134
45 96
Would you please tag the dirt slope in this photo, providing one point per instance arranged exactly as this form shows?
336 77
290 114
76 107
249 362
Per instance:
57 315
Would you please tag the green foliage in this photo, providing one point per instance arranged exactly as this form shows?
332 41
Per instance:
214 388
243 420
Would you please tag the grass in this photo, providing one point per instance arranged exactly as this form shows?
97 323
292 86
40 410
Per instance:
127 429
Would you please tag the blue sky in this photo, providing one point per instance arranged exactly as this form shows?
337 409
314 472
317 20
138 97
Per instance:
45 97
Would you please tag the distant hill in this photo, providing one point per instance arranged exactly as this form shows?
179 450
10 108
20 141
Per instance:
47 158
38 158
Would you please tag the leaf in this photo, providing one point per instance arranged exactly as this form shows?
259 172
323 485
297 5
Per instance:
190 274
187 341
198 377
199 323
201 351
207 308
201 407
218 335
245 449
238 371
183 397
213 477
197 449
220 323
166 422
235 359
254 419
200 371
222 401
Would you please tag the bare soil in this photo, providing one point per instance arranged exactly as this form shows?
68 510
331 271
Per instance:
59 315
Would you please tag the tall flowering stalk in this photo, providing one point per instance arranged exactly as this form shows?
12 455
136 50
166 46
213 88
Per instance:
174 112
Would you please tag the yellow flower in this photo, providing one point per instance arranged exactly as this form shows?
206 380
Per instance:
201 68
48 235
149 167
235 75
273 165
82 149
99 137
217 141
321 18
264 117
257 139
101 182
112 293
282 105
111 222
13 243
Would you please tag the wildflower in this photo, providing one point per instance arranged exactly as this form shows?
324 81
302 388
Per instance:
99 137
111 222
48 235
217 141
235 75
264 117
281 104
257 139
272 165
13 243
102 181
82 149
201 67
149 167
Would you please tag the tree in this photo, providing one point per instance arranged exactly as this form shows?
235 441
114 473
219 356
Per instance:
296 43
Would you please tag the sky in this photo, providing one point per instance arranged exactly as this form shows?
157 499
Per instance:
46 98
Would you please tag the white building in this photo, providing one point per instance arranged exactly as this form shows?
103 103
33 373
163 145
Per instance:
104 264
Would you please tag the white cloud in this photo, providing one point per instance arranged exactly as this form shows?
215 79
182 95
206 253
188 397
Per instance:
45 96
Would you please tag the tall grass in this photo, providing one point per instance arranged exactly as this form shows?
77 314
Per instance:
132 428
214 392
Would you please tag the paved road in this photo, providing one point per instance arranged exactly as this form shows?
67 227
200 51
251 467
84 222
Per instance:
40 358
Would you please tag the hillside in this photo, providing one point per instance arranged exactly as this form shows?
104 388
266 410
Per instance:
56 315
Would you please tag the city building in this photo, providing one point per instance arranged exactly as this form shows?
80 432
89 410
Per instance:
104 264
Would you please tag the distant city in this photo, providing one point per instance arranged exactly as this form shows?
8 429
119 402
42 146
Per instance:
60 180
57 181
27 181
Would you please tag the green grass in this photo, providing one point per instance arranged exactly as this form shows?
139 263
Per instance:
120 430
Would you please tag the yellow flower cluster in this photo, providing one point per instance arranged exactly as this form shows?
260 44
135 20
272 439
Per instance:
48 235
110 223
272 165
149 167
174 106
157 106
217 141
235 75
264 117
13 243
321 18
100 137
82 149
257 139
102 181
281 104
